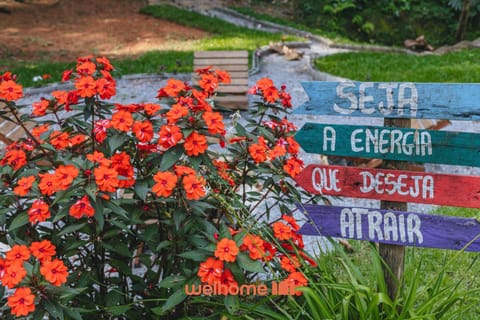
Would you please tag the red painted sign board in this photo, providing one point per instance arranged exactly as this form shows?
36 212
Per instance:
392 185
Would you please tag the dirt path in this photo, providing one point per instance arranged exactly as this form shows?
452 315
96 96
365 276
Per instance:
62 30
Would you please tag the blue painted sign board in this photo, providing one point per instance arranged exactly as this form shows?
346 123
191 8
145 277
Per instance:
458 101
392 227
425 146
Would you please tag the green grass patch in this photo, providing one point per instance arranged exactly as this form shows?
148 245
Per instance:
222 36
461 66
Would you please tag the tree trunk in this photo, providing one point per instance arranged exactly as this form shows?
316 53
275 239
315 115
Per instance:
463 21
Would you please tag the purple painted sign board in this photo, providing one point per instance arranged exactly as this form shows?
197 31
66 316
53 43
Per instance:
392 227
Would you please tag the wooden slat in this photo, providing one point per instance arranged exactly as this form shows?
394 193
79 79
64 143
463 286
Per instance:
233 75
220 62
236 67
232 89
234 102
220 54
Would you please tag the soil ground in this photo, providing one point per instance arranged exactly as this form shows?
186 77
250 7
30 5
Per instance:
62 30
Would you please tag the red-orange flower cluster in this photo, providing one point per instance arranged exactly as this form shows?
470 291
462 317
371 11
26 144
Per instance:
14 273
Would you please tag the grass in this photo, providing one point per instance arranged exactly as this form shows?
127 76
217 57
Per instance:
461 66
223 36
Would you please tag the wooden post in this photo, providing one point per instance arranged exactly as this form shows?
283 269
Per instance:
394 255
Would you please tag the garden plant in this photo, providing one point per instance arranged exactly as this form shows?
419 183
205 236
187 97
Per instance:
114 211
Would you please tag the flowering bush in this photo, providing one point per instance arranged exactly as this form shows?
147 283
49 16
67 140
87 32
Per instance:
112 210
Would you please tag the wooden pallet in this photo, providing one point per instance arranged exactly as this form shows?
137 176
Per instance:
233 95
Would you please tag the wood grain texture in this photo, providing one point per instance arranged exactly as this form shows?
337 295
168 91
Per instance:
425 146
392 227
459 101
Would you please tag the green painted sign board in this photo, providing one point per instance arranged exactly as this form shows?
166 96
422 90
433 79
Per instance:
414 145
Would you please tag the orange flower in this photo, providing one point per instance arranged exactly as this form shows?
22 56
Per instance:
176 112
151 108
228 281
195 144
47 184
99 157
254 245
269 250
39 130
77 139
42 250
282 231
86 67
19 252
165 183
14 274
82 207
61 97
106 88
210 271
121 164
291 221
183 170
64 176
277 151
59 140
227 250
15 159
194 187
106 178
173 87
86 86
22 302
104 63
122 120
223 76
264 83
66 75
289 263
143 130
39 212
208 82
293 166
169 136
271 94
10 90
54 271
258 152
24 185
293 146
40 108
297 279
214 122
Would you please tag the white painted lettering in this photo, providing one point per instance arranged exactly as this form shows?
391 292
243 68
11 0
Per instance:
388 87
347 223
411 101
329 136
390 228
374 225
365 98
354 140
413 229
346 95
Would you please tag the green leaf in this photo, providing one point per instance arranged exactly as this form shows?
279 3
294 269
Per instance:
119 248
116 209
116 141
141 189
248 264
232 303
170 157
176 298
172 281
195 255
20 220
71 228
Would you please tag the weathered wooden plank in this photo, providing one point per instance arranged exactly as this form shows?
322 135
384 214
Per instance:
229 68
220 62
459 101
221 54
232 89
392 185
425 146
392 227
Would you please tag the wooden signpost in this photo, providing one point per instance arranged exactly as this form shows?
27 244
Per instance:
392 185
455 101
391 225
390 143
